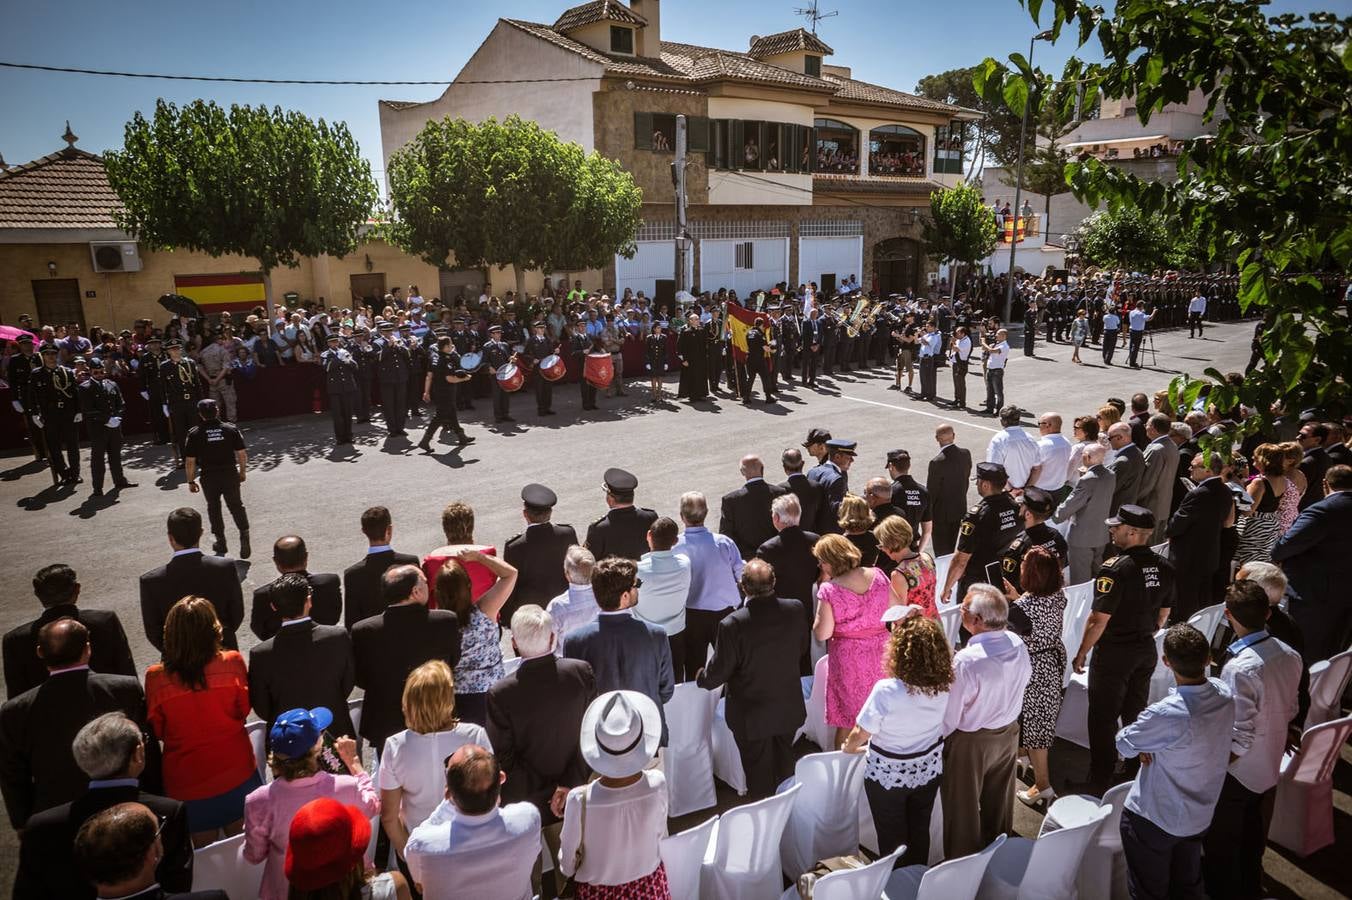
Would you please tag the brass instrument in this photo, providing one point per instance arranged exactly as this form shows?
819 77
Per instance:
852 321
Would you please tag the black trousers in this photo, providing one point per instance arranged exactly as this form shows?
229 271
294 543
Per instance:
700 627
810 361
159 422
677 644
929 377
788 361
472 708
1134 340
105 444
1051 331
218 486
340 409
960 382
1232 861
995 389
1161 866
544 393
362 399
944 535
828 352
1109 346
1194 323
36 437
1119 686
413 392
749 383
901 815
394 401
1192 591
588 394
63 445
443 418
766 761
502 402
182 416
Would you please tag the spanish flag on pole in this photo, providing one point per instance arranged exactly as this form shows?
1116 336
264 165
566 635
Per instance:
739 321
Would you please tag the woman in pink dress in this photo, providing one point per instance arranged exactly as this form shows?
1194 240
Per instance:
913 578
850 604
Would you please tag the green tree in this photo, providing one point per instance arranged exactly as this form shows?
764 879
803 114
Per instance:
271 185
961 229
1269 189
510 193
1124 238
995 136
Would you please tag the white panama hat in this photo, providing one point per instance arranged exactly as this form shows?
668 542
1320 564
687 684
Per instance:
620 733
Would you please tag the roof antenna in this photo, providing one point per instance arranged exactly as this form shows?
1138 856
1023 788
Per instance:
811 13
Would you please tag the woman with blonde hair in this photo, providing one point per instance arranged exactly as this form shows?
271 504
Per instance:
855 520
480 662
851 600
913 579
901 724
1289 508
1259 530
412 776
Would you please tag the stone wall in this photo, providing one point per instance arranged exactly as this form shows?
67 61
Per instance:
613 112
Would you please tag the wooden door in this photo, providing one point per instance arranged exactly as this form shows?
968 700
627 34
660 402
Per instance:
58 302
368 287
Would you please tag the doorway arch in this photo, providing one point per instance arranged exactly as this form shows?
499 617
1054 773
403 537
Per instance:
897 265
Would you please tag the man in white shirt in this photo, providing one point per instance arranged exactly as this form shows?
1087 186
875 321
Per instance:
1264 675
1014 449
1053 462
1196 310
961 346
931 347
576 606
664 577
1137 320
997 356
470 846
982 725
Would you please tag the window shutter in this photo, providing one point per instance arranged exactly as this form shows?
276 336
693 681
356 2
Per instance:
735 144
697 128
643 131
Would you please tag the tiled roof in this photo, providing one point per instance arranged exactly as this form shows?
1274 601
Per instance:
66 189
862 91
402 104
598 11
787 42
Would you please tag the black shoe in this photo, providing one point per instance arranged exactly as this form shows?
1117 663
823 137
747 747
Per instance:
426 448
464 439
508 419
123 485
218 546
244 549
98 492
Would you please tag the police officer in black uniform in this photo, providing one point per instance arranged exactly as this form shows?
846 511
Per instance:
1037 506
392 368
152 388
56 410
538 346
22 365
1133 594
789 338
215 449
102 406
624 530
497 353
985 532
182 389
537 553
366 358
443 382
908 495
340 380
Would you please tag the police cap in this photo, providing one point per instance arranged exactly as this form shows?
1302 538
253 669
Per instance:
1135 516
1038 500
80 361
24 338
173 344
839 445
493 328
48 347
619 480
333 336
539 496
96 363
993 472
386 326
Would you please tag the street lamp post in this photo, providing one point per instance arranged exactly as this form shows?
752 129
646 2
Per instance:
1018 181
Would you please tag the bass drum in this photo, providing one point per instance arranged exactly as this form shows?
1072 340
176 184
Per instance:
471 362
553 368
598 370
511 377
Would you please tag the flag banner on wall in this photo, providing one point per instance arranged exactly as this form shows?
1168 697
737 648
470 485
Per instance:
1010 234
233 292
739 319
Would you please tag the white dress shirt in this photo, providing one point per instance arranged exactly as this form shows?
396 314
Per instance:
989 677
1054 453
416 763
571 610
1263 675
1017 452
1188 734
625 827
487 857
666 584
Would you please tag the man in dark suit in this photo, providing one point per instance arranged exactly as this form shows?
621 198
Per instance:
361 581
1194 534
535 717
111 751
754 656
389 646
811 496
1316 555
789 554
58 590
119 850
190 573
949 477
290 555
745 513
37 728
537 553
624 530
306 664
1315 461
1140 415
1127 466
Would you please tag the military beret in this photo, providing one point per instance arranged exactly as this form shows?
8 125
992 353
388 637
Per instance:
1038 500
539 496
619 480
817 436
993 472
1135 516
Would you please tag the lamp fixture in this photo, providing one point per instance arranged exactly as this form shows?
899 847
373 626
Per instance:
369 265
51 268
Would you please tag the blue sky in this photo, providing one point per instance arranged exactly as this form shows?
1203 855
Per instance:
884 41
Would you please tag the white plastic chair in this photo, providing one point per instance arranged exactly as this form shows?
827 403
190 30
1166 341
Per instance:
1302 818
1162 679
258 737
1328 683
815 728
1046 868
941 564
865 883
221 866
354 713
956 878
1207 619
727 761
688 761
950 617
742 862
807 682
1079 601
683 856
1103 871
824 821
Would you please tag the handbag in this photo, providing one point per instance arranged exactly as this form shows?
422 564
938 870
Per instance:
569 888
807 882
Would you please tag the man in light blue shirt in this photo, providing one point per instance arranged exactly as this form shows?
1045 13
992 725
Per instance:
1183 742
576 606
1136 322
715 571
1112 326
664 577
931 345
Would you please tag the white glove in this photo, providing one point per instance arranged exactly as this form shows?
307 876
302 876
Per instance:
165 407
37 421
18 407
115 422
647 367
79 417
145 395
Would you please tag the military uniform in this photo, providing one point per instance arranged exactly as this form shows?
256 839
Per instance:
20 374
182 389
538 554
624 530
54 402
152 389
911 498
985 532
392 370
498 353
757 364
539 346
466 341
444 365
417 370
218 365
102 406
212 446
789 339
579 344
340 381
367 358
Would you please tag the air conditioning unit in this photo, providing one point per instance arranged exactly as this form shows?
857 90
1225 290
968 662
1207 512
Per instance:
115 256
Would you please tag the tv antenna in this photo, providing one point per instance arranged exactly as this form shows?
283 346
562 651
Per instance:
814 16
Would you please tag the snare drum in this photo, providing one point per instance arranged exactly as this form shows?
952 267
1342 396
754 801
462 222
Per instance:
553 368
511 377
471 362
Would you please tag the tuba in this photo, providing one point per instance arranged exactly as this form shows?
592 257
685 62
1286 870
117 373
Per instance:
853 320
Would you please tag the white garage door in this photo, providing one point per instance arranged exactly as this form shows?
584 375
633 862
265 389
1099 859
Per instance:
743 265
652 260
819 257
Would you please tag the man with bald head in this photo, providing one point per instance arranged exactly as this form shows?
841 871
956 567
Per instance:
812 504
290 555
949 475
1089 504
37 728
745 515
1127 466
119 850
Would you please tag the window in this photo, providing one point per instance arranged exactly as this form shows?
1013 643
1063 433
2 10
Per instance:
837 147
812 65
753 146
718 144
621 40
664 131
949 141
743 258
657 131
896 150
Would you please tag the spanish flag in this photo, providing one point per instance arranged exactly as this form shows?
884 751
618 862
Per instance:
236 292
1014 232
740 320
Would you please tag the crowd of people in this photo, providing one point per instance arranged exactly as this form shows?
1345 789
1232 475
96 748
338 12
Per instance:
518 696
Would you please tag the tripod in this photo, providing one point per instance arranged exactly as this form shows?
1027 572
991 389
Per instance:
1148 346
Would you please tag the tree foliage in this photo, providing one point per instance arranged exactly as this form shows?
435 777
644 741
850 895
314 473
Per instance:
1124 238
961 228
510 193
272 185
1269 190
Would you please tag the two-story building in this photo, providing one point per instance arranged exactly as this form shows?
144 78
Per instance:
797 172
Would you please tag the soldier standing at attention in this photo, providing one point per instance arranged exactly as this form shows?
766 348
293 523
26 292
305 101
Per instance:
985 532
538 346
152 388
623 531
417 368
215 449
217 365
22 365
655 357
102 405
366 358
182 389
56 411
340 380
392 371
444 378
497 353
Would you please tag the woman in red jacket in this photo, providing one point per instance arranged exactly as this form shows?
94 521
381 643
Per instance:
198 700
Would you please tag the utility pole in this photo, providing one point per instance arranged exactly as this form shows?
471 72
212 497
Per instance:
682 238
1018 182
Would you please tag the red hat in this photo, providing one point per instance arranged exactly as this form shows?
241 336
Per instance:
328 839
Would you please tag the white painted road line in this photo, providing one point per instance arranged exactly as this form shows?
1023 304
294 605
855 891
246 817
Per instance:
920 412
